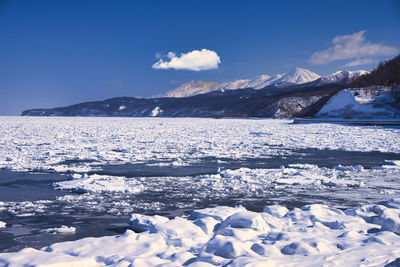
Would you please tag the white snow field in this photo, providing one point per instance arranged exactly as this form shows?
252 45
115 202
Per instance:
314 235
45 143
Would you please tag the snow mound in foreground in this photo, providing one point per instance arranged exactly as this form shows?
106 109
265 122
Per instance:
315 235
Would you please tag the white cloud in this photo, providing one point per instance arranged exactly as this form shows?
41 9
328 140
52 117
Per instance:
359 62
351 46
195 60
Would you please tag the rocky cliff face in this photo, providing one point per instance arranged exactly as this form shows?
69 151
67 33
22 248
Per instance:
297 106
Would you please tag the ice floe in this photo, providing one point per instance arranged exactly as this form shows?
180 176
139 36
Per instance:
100 184
60 230
117 195
298 175
81 144
314 235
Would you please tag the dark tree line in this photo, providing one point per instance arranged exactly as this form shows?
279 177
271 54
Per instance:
386 74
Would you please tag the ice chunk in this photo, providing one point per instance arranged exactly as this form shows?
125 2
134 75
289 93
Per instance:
276 210
330 217
141 223
391 220
297 248
246 219
275 222
101 184
2 224
395 263
207 224
228 247
33 257
113 248
200 264
370 213
60 230
315 235
391 203
181 232
218 213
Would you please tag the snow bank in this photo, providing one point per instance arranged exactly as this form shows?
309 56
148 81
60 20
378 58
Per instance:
315 235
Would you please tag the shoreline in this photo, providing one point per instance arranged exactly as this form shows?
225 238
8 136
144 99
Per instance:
349 121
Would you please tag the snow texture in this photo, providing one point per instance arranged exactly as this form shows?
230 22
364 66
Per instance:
314 235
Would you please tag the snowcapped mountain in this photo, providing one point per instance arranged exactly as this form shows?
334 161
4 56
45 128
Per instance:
297 76
263 80
341 76
200 87
193 88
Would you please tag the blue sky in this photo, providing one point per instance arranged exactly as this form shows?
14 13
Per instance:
56 53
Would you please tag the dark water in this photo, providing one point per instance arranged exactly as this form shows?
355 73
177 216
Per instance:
24 230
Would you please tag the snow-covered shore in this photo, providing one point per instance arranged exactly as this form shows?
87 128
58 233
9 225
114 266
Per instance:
314 235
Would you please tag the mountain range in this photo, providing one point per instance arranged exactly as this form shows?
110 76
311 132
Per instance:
297 76
296 93
300 93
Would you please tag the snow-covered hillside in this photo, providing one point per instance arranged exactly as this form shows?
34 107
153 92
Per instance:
376 102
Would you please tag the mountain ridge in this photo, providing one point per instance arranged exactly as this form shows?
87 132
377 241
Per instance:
280 99
296 76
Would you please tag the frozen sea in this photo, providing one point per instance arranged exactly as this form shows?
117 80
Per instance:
64 179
